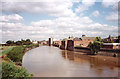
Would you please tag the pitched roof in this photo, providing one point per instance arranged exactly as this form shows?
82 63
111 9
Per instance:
76 39
88 38
64 39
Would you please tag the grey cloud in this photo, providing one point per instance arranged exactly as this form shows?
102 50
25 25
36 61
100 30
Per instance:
54 8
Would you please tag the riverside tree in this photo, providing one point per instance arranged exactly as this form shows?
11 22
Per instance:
21 42
18 43
10 42
96 45
28 42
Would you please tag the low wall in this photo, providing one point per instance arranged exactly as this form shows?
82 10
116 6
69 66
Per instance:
109 52
70 45
104 52
56 45
82 49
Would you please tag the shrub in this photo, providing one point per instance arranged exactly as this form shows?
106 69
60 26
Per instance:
35 45
95 46
10 71
7 59
31 46
16 54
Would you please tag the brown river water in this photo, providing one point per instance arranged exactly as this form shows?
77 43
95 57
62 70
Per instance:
48 61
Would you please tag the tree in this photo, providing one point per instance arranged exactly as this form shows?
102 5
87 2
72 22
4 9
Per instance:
10 42
28 42
96 45
23 41
18 43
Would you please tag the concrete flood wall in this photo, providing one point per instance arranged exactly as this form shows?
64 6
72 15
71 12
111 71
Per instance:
70 45
82 49
63 45
109 52
104 52
67 45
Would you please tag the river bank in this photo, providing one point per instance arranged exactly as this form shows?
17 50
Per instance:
12 62
104 56
103 60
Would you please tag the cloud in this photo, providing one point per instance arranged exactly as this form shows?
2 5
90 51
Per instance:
42 23
85 5
54 8
13 17
110 3
65 24
113 17
81 8
88 2
95 13
58 28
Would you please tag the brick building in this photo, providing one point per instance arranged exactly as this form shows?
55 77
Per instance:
50 41
83 41
57 43
111 45
77 41
64 44
71 42
43 42
70 45
111 39
35 42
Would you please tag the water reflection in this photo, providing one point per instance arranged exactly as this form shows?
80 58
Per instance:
96 61
96 64
47 61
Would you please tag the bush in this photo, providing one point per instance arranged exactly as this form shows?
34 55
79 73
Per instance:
7 59
35 45
31 46
16 54
10 71
10 42
95 46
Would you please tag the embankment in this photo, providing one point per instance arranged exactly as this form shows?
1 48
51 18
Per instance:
12 63
103 52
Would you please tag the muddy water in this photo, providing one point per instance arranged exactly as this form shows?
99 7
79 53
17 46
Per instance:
48 61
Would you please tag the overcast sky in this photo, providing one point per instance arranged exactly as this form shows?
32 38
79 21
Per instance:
39 20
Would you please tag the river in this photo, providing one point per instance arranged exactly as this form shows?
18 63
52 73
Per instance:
46 61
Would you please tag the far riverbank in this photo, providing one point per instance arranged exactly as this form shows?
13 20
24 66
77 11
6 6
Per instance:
106 60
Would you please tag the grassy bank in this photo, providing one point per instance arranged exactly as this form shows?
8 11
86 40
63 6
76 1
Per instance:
5 50
12 63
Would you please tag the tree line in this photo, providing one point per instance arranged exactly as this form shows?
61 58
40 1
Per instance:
21 42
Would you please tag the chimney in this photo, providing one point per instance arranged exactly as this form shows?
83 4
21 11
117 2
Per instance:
83 36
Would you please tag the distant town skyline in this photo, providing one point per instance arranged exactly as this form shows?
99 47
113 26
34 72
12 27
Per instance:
58 19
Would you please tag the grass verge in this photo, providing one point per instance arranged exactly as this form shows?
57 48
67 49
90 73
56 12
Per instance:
12 63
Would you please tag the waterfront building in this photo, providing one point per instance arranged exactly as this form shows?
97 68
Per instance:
50 41
43 42
110 39
83 41
111 45
35 42
57 43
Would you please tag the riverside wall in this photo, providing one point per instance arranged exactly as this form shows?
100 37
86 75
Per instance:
104 52
69 45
